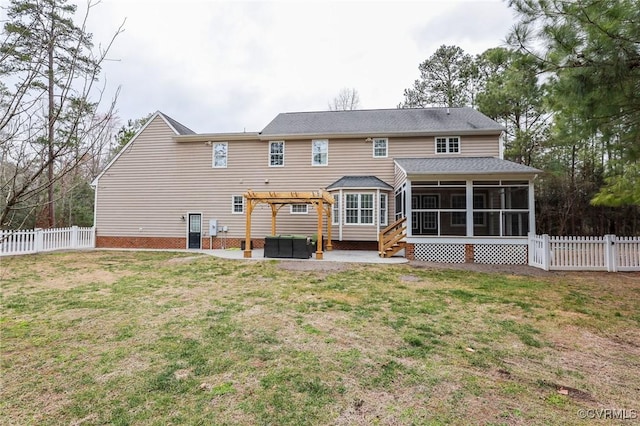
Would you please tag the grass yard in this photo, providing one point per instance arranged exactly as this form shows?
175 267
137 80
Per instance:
146 338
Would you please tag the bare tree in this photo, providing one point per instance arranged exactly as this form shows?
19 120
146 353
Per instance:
346 100
49 104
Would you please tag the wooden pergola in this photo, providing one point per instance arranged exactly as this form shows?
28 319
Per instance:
321 199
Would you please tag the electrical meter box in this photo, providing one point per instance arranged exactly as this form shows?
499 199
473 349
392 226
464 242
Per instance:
213 227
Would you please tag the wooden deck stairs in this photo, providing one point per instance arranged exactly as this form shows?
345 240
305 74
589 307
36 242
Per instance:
393 238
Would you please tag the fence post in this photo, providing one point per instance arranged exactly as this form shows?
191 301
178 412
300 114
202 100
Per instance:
546 252
39 240
530 247
610 257
74 237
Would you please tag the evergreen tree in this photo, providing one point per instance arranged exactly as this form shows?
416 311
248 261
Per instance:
446 79
592 55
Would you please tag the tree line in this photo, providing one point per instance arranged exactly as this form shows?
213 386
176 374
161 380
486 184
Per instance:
566 88
570 108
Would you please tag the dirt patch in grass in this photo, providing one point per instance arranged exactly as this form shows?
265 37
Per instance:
314 266
516 270
183 260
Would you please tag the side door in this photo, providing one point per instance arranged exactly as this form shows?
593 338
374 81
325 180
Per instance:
194 238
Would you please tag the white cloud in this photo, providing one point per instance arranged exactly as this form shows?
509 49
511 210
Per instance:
225 66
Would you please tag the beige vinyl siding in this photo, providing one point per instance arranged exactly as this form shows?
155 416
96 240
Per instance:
470 146
157 180
151 185
247 169
400 177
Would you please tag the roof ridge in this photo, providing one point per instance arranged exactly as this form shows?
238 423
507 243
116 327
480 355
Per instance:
372 109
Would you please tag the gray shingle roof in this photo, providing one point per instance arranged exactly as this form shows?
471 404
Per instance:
359 182
462 165
180 128
381 122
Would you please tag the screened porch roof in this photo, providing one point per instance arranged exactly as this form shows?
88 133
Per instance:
463 166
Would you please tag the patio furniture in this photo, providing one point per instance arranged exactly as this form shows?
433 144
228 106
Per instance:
288 246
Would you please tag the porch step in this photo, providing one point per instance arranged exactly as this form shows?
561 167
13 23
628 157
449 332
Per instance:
390 251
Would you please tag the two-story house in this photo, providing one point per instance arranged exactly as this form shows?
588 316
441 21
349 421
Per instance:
438 168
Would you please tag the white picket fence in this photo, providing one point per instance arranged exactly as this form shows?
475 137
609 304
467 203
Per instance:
609 253
39 240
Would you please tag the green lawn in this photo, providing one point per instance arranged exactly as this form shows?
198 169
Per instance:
164 338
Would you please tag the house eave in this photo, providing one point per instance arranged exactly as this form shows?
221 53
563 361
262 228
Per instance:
217 137
472 175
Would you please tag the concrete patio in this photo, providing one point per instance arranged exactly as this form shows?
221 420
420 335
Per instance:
348 256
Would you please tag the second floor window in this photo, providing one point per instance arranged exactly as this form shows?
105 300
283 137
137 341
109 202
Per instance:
448 145
276 154
319 152
220 154
380 147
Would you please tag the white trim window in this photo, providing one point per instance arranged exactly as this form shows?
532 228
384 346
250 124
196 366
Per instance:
358 209
384 209
237 204
448 145
276 154
380 147
298 208
220 154
319 152
335 214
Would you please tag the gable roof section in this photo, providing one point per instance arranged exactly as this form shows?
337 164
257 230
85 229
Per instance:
180 129
173 125
382 122
360 182
463 165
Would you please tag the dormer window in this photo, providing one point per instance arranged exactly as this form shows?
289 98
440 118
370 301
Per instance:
448 145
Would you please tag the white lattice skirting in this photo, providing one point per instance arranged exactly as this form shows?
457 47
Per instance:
493 254
500 254
443 253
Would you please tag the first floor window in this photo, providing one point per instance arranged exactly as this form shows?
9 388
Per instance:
299 209
237 204
276 154
320 152
359 209
335 218
384 209
220 154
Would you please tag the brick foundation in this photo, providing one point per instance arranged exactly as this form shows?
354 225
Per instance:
355 245
141 242
469 253
409 251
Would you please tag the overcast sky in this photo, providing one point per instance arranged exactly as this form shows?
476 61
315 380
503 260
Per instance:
226 66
